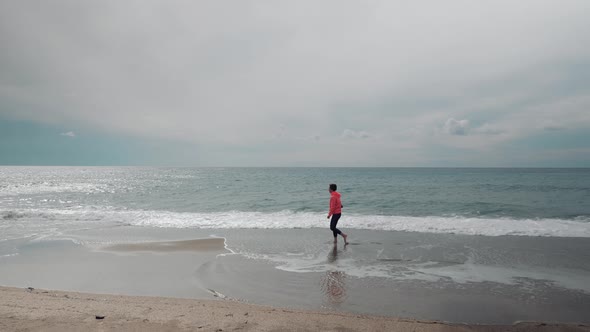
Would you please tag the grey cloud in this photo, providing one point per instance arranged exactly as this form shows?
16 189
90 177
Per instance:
310 138
554 128
456 127
68 134
487 129
348 133
228 76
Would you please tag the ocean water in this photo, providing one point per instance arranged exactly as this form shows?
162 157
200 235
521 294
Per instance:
492 245
36 201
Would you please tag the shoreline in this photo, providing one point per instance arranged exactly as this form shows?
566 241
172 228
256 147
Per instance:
298 269
52 310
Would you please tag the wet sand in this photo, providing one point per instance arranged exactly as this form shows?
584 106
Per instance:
212 244
46 310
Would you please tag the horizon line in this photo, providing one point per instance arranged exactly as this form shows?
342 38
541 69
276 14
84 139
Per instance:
400 167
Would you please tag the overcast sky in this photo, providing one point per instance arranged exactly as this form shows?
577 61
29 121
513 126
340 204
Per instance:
295 83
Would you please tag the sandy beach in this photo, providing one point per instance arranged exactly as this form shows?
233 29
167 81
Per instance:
48 310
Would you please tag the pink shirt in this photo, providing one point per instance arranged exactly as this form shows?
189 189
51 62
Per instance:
335 203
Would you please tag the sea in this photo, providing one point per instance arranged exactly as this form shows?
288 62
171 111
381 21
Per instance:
478 245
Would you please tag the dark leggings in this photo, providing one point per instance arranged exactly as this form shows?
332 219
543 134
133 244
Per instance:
333 223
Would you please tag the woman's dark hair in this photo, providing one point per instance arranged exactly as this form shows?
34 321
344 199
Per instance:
333 187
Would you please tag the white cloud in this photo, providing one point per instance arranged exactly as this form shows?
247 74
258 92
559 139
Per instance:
68 134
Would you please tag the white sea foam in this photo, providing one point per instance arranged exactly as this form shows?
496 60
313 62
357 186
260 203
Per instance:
37 219
430 271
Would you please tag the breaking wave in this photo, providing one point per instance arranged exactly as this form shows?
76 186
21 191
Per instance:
51 218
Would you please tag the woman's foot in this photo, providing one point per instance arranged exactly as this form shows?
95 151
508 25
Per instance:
345 238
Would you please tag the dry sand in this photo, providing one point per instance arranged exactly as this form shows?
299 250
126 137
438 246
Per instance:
41 310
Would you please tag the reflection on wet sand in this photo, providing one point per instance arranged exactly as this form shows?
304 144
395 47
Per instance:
333 281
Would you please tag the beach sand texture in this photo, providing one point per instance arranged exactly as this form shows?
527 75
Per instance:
45 310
